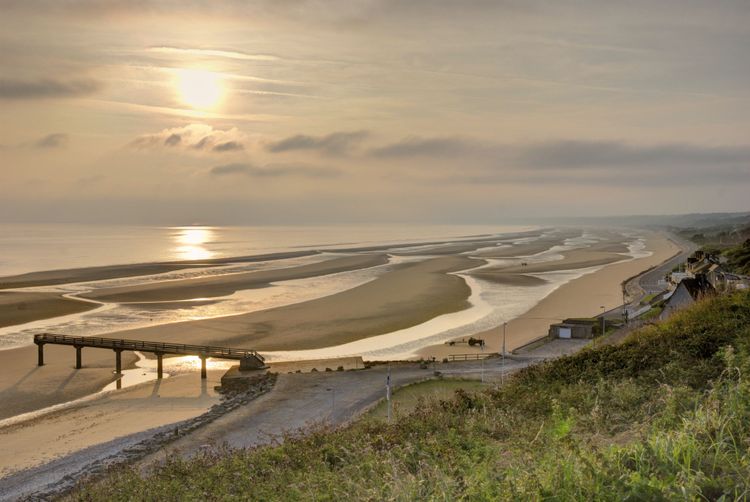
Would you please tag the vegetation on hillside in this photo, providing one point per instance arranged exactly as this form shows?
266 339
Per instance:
663 416
739 258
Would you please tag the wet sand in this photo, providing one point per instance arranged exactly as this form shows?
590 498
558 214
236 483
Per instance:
88 274
223 285
529 248
410 294
107 417
18 307
26 387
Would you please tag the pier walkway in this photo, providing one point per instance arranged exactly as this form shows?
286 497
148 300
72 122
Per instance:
249 359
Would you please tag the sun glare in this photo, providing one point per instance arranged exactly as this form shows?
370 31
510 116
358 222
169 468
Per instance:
199 89
190 243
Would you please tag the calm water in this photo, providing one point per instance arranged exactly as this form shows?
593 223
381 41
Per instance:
27 248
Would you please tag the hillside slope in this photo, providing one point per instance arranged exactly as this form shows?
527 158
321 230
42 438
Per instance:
665 415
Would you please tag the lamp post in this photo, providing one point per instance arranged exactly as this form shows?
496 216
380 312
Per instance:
502 371
604 309
333 402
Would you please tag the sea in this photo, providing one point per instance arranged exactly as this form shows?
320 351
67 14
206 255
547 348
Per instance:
29 248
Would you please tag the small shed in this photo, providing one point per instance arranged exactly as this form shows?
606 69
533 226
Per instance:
572 329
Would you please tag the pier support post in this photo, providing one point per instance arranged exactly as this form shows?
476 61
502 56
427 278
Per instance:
203 366
79 363
159 365
118 361
40 354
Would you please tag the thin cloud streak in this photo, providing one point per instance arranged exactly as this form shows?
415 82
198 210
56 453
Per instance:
272 171
47 88
213 53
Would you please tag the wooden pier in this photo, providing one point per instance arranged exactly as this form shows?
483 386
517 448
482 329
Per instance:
249 359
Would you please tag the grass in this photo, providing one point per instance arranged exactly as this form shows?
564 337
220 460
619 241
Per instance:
647 299
663 416
652 313
407 399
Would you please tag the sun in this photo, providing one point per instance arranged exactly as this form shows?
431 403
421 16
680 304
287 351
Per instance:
199 89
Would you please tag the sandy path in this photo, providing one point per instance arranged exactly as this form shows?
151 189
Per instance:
227 284
100 420
18 307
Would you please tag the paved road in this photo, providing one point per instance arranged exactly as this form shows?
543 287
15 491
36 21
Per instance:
301 400
649 281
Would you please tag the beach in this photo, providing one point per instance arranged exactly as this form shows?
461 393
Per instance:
581 297
405 289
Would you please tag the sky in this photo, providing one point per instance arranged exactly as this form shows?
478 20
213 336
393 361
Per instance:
423 111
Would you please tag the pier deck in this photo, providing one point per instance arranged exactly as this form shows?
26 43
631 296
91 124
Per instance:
248 357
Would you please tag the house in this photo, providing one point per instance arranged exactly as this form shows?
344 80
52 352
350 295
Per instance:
715 275
677 277
688 291
573 328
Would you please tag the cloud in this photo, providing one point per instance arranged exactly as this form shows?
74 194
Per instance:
228 146
173 139
417 147
193 137
272 171
46 88
568 154
57 140
213 53
613 154
337 143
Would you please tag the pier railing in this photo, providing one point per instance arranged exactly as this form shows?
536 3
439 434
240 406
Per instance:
248 357
467 357
143 346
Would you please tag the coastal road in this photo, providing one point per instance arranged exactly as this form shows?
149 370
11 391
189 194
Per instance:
299 401
649 281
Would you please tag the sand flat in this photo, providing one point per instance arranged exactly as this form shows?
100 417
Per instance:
509 279
90 274
572 260
406 296
18 307
26 387
226 284
110 416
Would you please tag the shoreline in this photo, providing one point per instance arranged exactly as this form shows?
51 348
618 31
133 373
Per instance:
581 297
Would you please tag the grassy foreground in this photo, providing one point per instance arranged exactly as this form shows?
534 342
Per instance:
664 416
